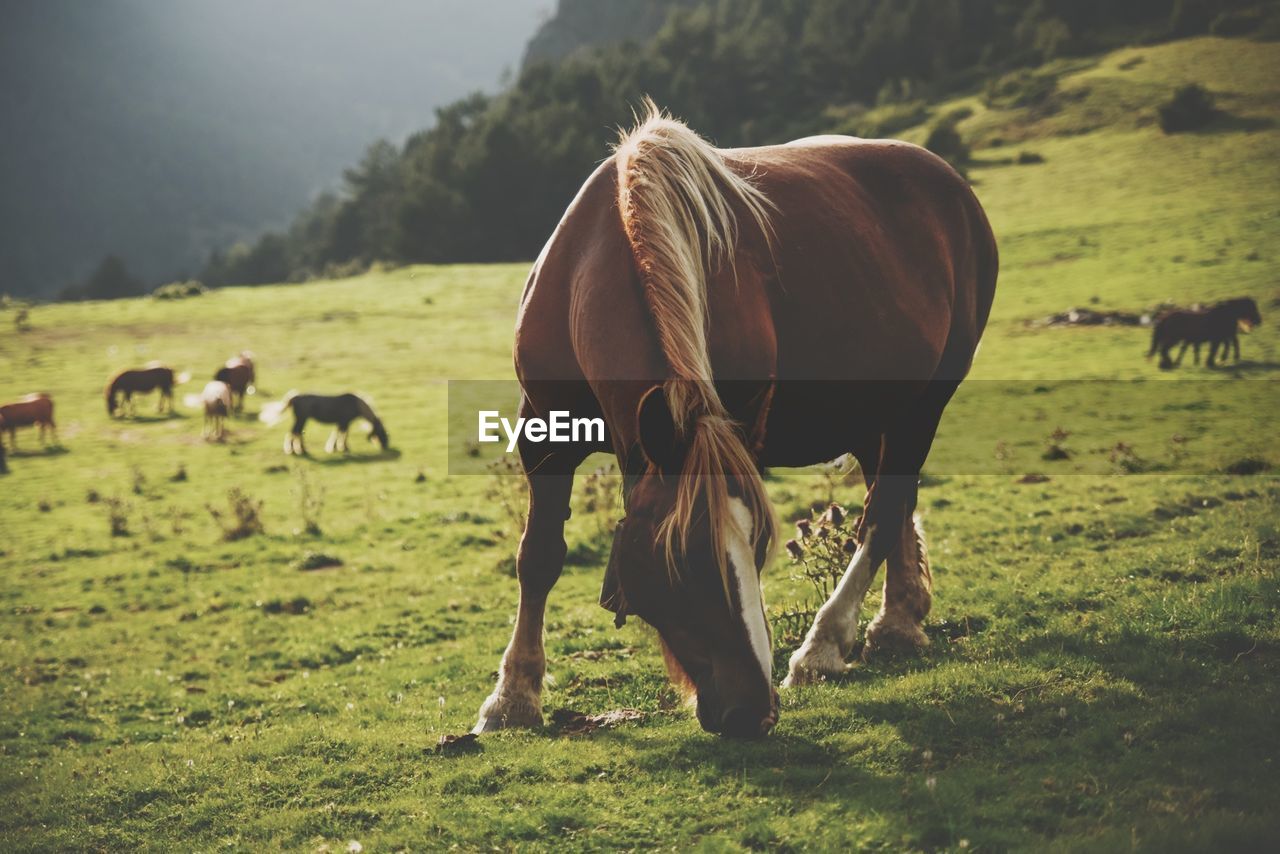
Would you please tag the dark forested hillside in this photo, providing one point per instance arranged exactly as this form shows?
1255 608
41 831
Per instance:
159 130
490 180
579 25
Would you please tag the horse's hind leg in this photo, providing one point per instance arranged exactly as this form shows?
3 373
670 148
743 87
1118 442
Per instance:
516 700
908 595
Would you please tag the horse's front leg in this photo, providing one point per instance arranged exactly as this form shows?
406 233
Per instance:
516 700
1212 361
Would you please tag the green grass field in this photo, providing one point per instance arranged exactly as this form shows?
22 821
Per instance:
1105 665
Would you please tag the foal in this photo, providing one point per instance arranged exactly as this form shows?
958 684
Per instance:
215 400
339 410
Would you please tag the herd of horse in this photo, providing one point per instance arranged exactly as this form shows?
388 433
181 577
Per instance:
221 398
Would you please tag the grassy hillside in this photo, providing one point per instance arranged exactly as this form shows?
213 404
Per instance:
1105 657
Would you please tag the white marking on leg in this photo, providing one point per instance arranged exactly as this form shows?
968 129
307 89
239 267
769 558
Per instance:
743 567
835 628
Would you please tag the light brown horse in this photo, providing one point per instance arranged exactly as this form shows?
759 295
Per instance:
153 377
34 409
726 310
215 402
239 376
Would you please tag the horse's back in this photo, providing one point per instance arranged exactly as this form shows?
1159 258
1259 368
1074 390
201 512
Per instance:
878 243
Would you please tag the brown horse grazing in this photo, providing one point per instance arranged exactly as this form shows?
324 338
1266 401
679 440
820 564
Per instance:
34 409
154 377
1216 326
215 400
238 374
4 466
725 310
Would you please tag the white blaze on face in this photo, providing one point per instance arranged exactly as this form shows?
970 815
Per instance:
742 565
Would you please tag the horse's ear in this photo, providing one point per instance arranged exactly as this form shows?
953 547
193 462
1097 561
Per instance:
656 428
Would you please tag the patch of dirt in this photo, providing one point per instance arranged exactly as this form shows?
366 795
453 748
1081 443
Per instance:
569 722
456 745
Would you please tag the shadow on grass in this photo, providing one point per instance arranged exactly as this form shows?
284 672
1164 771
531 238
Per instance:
152 417
325 459
47 451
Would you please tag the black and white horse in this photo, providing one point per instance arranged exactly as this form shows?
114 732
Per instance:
338 409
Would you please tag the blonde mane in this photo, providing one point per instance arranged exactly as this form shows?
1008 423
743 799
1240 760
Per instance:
677 198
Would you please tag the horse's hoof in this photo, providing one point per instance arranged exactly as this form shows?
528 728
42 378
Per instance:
811 664
886 639
499 713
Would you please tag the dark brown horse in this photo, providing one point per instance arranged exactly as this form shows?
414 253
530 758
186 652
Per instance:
154 377
1216 326
4 467
726 310
32 410
336 409
239 376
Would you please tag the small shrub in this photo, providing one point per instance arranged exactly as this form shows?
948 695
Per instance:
139 481
316 560
822 548
508 493
43 505
1190 108
117 517
243 520
297 605
180 290
310 505
1026 158
1019 89
1055 448
946 142
92 496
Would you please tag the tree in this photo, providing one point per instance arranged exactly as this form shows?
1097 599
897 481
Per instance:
111 280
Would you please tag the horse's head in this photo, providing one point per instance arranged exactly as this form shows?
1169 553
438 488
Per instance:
700 590
223 376
379 432
1247 314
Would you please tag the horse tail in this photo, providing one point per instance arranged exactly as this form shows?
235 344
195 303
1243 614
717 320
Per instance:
273 412
677 197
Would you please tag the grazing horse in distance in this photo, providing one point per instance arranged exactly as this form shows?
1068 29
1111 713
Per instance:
239 376
339 410
153 377
724 310
4 467
34 409
215 400
1217 326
